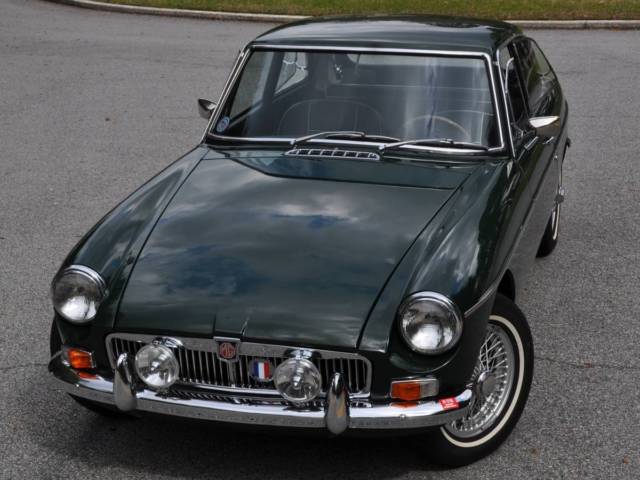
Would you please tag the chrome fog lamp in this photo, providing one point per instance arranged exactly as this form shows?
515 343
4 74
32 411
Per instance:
298 380
430 323
156 365
77 292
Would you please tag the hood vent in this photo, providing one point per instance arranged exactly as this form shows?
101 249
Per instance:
332 153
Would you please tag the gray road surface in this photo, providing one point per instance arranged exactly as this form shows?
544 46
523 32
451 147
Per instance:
92 104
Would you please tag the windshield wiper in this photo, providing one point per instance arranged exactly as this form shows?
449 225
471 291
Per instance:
344 134
437 142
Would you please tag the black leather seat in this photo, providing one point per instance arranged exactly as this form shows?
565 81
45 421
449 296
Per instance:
319 115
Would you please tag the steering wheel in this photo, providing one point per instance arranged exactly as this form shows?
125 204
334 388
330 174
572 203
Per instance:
437 118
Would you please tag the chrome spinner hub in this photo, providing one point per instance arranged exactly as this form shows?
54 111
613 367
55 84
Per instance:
485 384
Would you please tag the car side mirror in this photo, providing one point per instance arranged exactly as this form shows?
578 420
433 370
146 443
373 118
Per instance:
545 126
206 108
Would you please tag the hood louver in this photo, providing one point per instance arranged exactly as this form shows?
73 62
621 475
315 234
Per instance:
332 153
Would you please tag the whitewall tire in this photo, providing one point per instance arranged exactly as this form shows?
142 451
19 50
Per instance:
501 381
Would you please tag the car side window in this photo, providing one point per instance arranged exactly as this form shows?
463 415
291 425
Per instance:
513 90
538 76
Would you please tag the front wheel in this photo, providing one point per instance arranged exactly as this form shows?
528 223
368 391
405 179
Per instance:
501 381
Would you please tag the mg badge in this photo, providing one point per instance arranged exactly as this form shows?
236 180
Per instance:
227 351
261 370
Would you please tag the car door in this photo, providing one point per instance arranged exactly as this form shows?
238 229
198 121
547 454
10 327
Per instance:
530 160
544 101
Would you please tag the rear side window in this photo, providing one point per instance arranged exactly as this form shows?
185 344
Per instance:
538 76
515 96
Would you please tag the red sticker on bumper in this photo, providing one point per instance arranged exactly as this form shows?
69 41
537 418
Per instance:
449 403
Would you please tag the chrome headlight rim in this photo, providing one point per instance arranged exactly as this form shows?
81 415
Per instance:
90 275
442 301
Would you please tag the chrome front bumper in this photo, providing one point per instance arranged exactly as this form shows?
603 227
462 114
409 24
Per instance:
337 415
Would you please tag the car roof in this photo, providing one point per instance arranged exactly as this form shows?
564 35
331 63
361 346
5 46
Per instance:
424 32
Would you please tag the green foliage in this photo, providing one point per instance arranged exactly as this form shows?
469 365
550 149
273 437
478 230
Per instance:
498 9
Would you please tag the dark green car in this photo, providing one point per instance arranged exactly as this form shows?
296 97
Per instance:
344 249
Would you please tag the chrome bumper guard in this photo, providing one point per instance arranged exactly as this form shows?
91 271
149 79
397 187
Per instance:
337 415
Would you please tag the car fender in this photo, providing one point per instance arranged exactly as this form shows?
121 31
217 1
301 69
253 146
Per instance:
111 247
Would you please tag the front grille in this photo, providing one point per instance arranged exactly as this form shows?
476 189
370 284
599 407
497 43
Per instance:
201 366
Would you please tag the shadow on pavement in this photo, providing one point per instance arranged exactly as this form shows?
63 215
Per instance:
163 446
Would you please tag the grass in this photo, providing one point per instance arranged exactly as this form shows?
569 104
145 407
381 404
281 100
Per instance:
496 9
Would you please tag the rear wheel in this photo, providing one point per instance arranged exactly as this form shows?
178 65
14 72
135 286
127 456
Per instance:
501 382
55 345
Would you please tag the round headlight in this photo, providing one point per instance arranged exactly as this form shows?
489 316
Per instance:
77 293
430 323
298 380
157 366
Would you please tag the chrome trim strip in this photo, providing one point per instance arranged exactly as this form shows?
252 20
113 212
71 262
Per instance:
88 272
494 98
338 48
238 64
365 416
244 56
488 292
493 288
531 143
358 143
504 97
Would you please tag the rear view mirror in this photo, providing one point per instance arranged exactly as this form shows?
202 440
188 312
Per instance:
545 126
206 108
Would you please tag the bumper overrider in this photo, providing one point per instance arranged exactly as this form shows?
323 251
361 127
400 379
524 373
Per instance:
336 412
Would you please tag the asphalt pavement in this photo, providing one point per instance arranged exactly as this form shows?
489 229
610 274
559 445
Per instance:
92 104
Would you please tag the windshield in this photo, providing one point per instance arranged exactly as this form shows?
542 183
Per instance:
291 94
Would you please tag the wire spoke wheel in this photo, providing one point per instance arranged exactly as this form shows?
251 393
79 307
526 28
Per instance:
492 381
500 381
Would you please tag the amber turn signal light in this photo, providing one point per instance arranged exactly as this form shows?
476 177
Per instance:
411 390
78 359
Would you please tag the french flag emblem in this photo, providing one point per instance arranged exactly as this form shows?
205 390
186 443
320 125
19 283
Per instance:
261 370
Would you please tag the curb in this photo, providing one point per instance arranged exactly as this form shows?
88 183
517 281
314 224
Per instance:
178 12
578 24
263 17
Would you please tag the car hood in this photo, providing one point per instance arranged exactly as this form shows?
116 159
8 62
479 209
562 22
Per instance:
280 249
